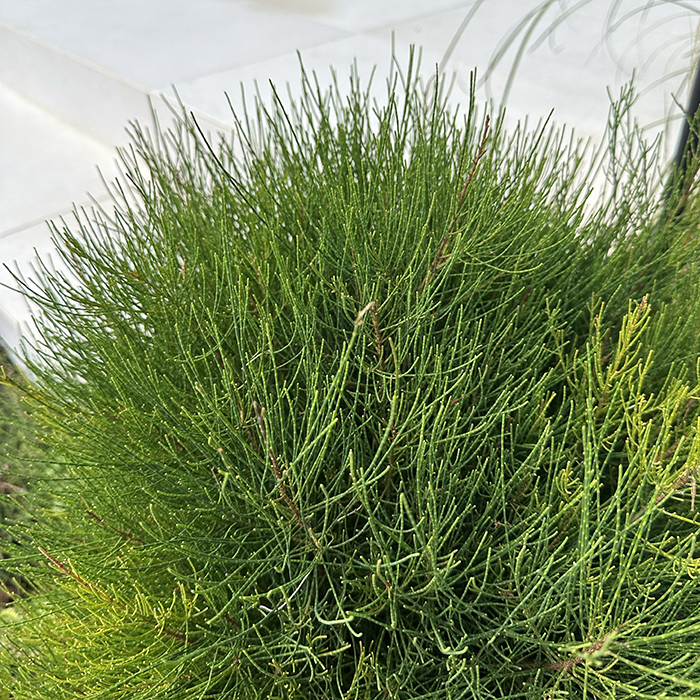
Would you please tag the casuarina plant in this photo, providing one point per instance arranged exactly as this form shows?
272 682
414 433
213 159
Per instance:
368 400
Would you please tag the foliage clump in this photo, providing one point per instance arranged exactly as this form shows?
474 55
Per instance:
367 402
19 453
14 443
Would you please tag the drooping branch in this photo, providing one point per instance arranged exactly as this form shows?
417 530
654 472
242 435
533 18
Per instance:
110 599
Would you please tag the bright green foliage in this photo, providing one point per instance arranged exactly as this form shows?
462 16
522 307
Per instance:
366 405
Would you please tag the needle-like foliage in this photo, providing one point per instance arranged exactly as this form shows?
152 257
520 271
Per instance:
367 402
17 449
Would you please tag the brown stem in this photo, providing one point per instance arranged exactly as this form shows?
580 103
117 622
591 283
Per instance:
77 577
429 275
560 535
123 533
251 438
568 664
682 480
7 488
670 450
260 415
378 335
688 406
684 196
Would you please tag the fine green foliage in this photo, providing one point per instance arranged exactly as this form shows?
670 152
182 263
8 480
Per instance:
18 451
367 402
14 430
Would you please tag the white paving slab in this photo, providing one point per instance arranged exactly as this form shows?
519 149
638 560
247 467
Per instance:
572 70
19 255
153 43
46 168
360 15
79 92
367 55
45 164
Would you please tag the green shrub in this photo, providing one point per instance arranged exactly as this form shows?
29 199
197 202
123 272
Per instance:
366 403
